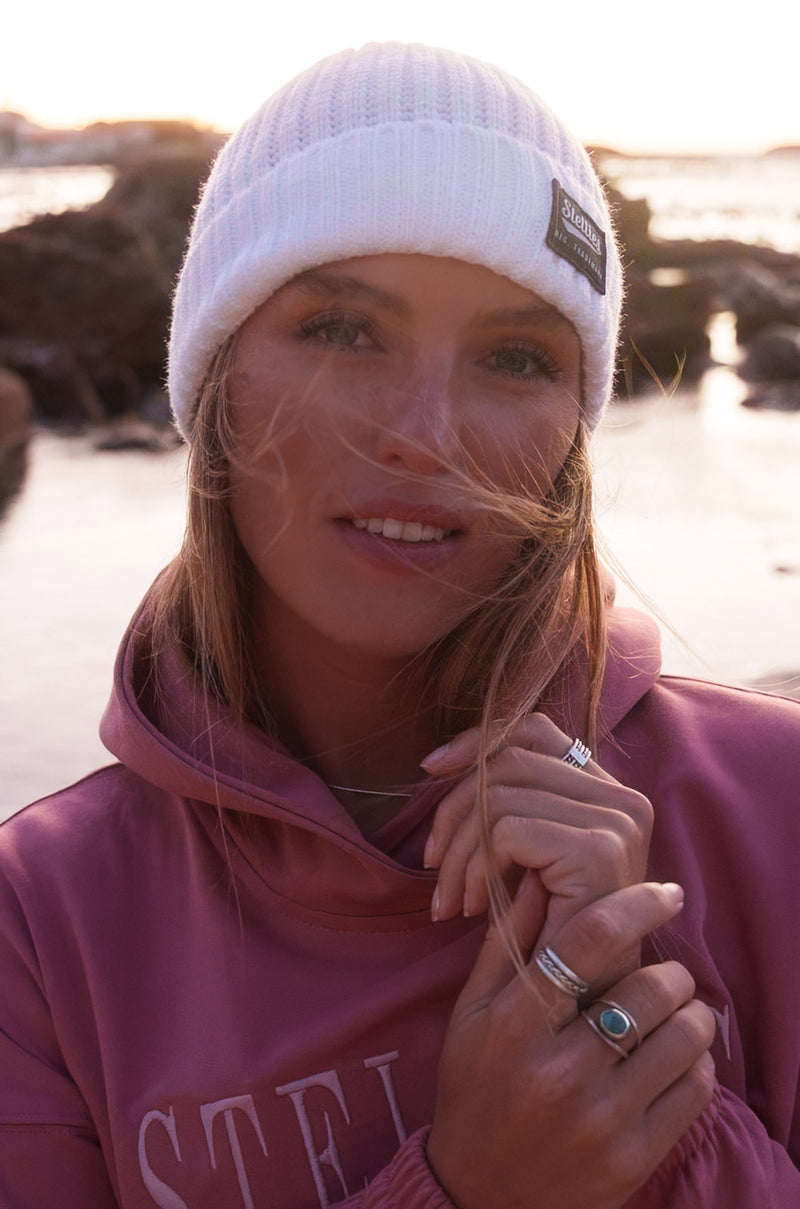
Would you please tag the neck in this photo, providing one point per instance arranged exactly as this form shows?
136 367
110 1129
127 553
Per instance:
354 719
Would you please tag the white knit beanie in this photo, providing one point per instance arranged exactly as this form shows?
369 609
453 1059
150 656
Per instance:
398 148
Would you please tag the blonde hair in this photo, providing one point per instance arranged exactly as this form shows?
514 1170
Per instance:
508 654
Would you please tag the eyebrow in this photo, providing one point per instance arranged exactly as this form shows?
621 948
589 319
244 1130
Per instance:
541 312
336 285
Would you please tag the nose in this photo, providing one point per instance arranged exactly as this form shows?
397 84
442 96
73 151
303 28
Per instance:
418 428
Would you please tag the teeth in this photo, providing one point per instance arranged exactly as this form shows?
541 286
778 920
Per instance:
396 531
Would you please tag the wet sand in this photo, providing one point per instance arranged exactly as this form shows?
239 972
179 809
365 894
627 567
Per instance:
699 501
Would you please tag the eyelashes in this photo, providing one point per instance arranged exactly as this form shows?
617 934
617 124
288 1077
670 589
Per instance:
351 331
524 361
340 330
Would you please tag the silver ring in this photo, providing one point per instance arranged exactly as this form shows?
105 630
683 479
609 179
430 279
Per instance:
578 755
559 974
613 1025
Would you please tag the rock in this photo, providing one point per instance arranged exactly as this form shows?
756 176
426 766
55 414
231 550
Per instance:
759 296
773 356
631 219
85 295
155 409
61 386
136 435
90 282
759 284
664 333
158 198
16 415
701 256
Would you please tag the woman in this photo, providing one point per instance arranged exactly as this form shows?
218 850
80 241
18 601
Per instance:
233 962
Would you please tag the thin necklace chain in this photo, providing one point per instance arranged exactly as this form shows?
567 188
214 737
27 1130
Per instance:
372 793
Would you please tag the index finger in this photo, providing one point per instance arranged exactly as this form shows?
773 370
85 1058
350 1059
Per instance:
535 731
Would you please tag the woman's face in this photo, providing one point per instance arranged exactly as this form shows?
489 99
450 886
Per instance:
389 383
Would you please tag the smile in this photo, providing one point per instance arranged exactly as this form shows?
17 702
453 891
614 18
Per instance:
401 531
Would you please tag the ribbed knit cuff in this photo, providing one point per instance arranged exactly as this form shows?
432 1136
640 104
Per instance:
408 1182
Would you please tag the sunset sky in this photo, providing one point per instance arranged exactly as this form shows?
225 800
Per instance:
691 75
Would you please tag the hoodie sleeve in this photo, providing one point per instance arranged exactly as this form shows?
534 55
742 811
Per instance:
406 1183
726 1158
50 1153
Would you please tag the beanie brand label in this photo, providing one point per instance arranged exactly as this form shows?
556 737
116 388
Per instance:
577 238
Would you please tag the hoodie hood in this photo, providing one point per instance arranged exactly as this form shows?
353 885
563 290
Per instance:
189 746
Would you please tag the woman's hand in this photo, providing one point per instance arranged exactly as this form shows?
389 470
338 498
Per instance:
533 1108
583 832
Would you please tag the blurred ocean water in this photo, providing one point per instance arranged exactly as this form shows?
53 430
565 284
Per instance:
750 199
26 192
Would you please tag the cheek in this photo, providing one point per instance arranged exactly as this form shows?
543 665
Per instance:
525 449
281 473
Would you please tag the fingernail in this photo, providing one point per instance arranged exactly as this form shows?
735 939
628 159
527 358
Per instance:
429 855
437 756
435 905
675 892
466 907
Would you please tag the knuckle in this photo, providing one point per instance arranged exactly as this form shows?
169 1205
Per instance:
514 760
691 1029
503 831
681 981
510 825
635 830
611 852
670 983
639 809
604 1120
597 926
539 726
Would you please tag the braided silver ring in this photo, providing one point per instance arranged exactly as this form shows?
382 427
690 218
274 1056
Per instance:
613 1025
578 755
559 974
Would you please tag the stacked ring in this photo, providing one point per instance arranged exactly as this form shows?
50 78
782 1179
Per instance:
560 974
578 755
613 1025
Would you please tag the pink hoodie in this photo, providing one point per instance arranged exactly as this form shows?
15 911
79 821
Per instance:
214 991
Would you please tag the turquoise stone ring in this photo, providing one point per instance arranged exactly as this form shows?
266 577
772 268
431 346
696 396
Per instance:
613 1025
